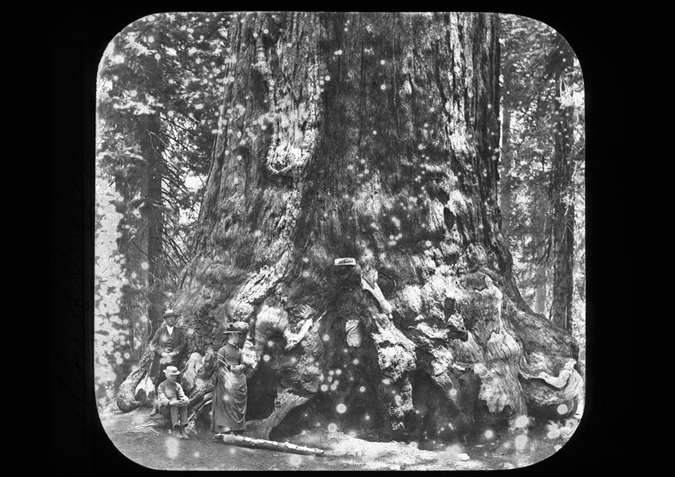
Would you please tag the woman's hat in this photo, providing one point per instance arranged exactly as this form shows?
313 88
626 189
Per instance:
170 312
171 370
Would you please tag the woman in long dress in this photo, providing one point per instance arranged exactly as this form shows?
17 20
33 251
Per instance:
228 407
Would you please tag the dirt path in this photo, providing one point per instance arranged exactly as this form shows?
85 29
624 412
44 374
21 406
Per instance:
147 441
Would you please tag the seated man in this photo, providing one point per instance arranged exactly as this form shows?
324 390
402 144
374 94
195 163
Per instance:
173 402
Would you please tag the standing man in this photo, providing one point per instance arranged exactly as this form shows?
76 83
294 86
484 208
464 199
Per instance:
169 345
173 402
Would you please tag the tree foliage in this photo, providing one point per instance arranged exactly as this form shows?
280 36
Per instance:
539 70
159 86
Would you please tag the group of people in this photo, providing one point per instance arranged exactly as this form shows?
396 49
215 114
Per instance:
228 406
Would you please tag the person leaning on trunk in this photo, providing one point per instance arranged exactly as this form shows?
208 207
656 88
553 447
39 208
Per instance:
173 402
168 345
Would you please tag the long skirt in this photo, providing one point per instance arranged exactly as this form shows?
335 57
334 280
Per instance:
228 407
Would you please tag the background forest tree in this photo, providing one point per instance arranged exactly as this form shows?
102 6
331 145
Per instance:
368 136
541 76
159 87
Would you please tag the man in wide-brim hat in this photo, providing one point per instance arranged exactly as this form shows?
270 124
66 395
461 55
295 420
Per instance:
173 402
169 345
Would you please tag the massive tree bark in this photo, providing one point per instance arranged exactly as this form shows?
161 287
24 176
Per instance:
372 137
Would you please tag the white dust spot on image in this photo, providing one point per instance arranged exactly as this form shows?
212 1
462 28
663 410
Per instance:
453 453
266 357
362 389
489 434
172 449
233 450
324 387
341 408
326 337
521 442
332 427
196 454
521 421
295 460
562 409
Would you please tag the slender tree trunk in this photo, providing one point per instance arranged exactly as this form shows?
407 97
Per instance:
540 291
505 190
153 213
563 201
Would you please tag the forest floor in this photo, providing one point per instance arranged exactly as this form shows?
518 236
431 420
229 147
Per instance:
148 442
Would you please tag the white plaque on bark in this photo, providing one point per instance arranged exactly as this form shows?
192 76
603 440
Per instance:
345 261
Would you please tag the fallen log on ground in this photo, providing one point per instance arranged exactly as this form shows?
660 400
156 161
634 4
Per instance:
243 441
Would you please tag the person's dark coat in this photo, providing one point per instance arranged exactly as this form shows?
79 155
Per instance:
170 343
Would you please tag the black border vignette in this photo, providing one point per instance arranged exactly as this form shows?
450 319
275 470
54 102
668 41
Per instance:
78 440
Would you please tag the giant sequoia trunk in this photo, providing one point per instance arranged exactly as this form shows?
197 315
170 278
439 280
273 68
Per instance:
370 137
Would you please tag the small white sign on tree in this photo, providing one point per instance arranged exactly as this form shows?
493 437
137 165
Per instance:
344 261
